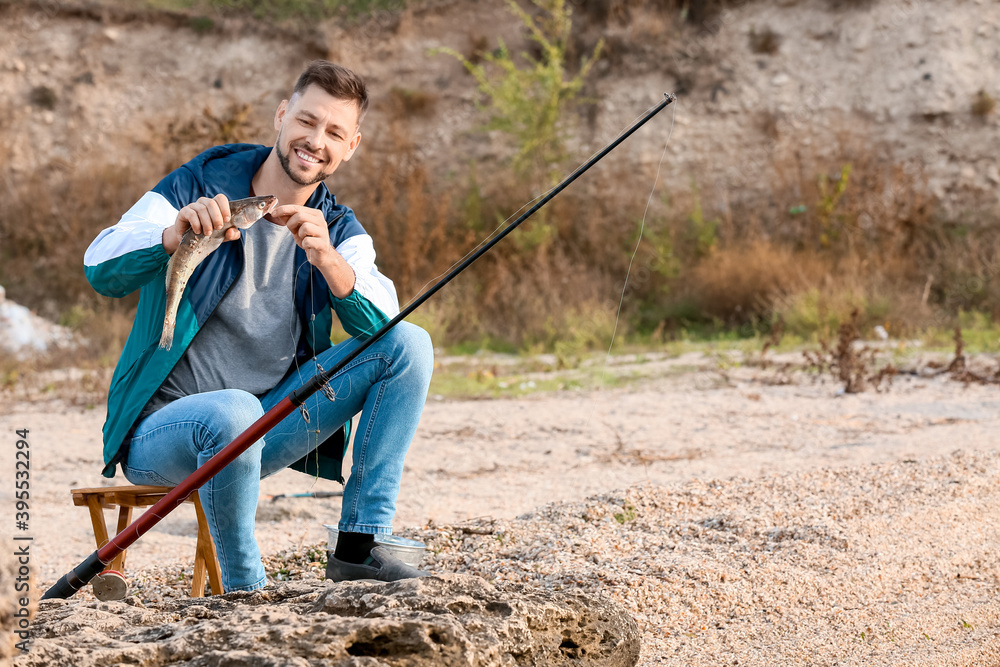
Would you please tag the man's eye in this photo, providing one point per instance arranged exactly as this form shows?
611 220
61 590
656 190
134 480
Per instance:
306 123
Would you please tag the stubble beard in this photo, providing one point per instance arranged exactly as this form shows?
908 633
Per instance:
286 164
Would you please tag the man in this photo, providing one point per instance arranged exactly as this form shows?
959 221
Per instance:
253 322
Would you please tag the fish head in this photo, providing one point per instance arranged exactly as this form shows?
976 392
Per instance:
247 211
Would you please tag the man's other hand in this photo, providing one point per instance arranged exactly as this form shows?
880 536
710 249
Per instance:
308 226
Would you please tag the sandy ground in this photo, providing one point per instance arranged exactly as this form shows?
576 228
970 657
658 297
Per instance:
684 423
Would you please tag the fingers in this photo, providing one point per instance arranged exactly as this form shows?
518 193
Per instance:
202 219
222 201
309 234
303 222
294 223
285 212
314 243
205 215
308 231
309 228
184 219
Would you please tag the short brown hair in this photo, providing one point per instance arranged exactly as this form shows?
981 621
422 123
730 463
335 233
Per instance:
336 80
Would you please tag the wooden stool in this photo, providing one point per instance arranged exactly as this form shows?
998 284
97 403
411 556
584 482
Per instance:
206 561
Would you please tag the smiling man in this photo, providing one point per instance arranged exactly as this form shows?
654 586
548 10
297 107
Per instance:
253 323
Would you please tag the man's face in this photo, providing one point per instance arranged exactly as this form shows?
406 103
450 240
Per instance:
316 132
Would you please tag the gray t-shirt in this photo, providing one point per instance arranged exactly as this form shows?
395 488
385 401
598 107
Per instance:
249 342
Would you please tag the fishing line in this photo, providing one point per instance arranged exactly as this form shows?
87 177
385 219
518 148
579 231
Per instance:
303 409
628 272
642 228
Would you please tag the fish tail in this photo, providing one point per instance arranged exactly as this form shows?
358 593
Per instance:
174 289
170 317
167 337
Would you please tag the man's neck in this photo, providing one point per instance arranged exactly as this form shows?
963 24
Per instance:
271 179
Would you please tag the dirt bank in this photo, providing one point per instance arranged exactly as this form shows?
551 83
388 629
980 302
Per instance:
834 80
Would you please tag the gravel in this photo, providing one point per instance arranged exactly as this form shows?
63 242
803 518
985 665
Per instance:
877 565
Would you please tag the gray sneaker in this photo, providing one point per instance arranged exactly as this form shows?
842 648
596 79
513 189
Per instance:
381 565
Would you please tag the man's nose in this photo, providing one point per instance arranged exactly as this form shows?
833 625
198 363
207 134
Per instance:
315 137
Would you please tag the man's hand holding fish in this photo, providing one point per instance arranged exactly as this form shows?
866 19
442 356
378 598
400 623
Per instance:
202 217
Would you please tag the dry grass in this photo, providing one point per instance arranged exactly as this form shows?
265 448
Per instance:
872 244
701 15
960 370
46 226
851 232
853 364
736 283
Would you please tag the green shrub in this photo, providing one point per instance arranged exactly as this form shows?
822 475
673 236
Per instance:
527 100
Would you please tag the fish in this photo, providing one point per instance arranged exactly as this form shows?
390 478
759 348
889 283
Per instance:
194 248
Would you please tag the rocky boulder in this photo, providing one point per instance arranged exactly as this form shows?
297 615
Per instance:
442 620
23 334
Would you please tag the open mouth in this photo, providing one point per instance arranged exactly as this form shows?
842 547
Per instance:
306 157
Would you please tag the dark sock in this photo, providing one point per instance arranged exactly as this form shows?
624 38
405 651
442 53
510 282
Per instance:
353 547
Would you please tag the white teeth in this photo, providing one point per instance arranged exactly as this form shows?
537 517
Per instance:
307 158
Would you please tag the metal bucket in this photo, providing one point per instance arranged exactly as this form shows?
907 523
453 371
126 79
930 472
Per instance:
410 552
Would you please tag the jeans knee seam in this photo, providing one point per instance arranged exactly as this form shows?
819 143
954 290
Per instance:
374 356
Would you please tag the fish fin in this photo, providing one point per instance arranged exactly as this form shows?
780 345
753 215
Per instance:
167 338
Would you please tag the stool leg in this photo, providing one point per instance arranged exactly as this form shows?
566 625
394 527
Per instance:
97 518
198 580
124 519
206 559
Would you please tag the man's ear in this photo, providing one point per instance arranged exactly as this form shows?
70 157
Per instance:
353 147
279 114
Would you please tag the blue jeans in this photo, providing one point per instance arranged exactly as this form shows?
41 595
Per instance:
387 383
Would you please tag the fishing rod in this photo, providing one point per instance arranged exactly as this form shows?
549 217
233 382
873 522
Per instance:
94 564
